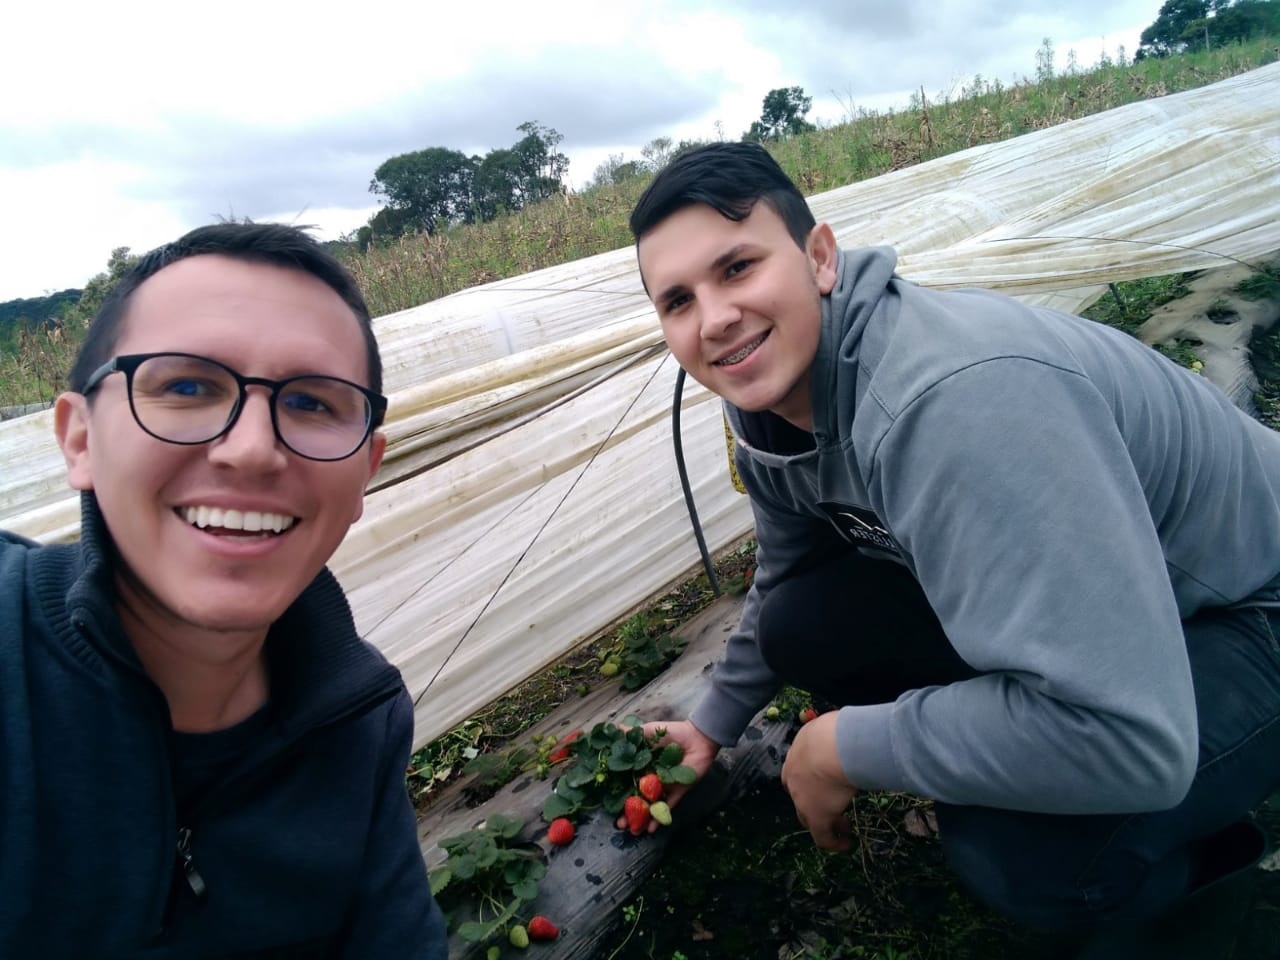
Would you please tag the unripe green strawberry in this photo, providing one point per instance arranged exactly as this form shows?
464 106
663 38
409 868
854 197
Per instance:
560 832
493 953
661 812
772 713
650 787
518 936
636 811
540 928
610 668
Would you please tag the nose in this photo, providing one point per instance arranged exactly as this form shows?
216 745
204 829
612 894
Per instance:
718 314
251 443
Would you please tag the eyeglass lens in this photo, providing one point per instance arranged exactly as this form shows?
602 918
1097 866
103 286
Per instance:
189 400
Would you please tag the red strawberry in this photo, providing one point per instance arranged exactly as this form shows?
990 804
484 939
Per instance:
807 714
561 751
636 810
540 928
651 787
560 832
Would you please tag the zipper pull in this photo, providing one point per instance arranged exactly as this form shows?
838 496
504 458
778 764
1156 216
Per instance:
194 880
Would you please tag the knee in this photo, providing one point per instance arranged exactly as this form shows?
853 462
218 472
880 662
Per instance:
1039 871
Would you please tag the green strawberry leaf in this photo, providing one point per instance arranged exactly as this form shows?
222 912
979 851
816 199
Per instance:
574 794
680 774
672 754
440 879
485 852
504 825
556 806
474 931
614 799
602 736
622 756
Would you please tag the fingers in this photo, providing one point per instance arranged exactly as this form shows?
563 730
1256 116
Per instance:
834 834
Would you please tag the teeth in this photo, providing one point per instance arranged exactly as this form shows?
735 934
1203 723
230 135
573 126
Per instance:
741 354
249 520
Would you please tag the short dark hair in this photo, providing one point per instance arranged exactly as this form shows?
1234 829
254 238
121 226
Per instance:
276 244
728 177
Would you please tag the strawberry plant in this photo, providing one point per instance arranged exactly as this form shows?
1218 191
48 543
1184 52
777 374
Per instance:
489 873
642 651
502 766
607 765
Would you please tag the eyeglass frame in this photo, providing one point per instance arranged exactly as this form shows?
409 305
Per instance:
128 364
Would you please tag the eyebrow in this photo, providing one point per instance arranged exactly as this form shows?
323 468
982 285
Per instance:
731 255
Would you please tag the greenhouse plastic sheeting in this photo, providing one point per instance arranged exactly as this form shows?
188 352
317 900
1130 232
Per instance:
529 496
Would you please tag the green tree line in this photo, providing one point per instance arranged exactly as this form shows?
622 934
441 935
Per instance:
1183 25
430 189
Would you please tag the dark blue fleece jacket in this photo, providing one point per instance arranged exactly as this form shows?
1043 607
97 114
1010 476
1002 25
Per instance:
302 845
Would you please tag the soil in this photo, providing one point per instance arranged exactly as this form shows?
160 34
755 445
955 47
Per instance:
751 885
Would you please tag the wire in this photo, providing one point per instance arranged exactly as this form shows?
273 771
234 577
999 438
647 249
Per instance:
684 485
523 553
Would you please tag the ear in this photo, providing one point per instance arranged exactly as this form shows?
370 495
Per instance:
377 447
71 427
824 255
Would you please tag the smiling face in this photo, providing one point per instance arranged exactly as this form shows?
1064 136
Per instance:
740 303
221 535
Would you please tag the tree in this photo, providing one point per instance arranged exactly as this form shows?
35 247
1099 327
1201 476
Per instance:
781 116
386 223
1044 61
1185 25
1165 36
616 169
1241 20
496 186
426 188
542 165
96 290
657 153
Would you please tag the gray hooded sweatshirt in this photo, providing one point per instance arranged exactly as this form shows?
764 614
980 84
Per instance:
1065 496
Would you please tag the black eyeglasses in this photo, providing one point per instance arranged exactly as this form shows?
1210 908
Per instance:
188 399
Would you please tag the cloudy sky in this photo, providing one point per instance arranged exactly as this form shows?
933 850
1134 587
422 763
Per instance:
126 124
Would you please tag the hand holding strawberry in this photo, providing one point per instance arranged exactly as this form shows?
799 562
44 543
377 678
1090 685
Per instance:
699 753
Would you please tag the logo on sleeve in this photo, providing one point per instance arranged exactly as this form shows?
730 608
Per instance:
859 526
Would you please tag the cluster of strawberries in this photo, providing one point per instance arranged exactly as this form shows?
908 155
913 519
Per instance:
646 805
640 809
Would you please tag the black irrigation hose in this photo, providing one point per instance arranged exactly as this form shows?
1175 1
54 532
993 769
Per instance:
684 484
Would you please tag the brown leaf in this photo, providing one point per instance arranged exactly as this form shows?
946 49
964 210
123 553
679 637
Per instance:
920 824
700 932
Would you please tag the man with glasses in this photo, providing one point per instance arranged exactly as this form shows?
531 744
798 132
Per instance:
201 758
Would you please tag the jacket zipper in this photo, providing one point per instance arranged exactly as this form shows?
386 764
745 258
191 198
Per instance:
187 860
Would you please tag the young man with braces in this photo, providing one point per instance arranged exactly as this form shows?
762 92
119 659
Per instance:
1033 563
